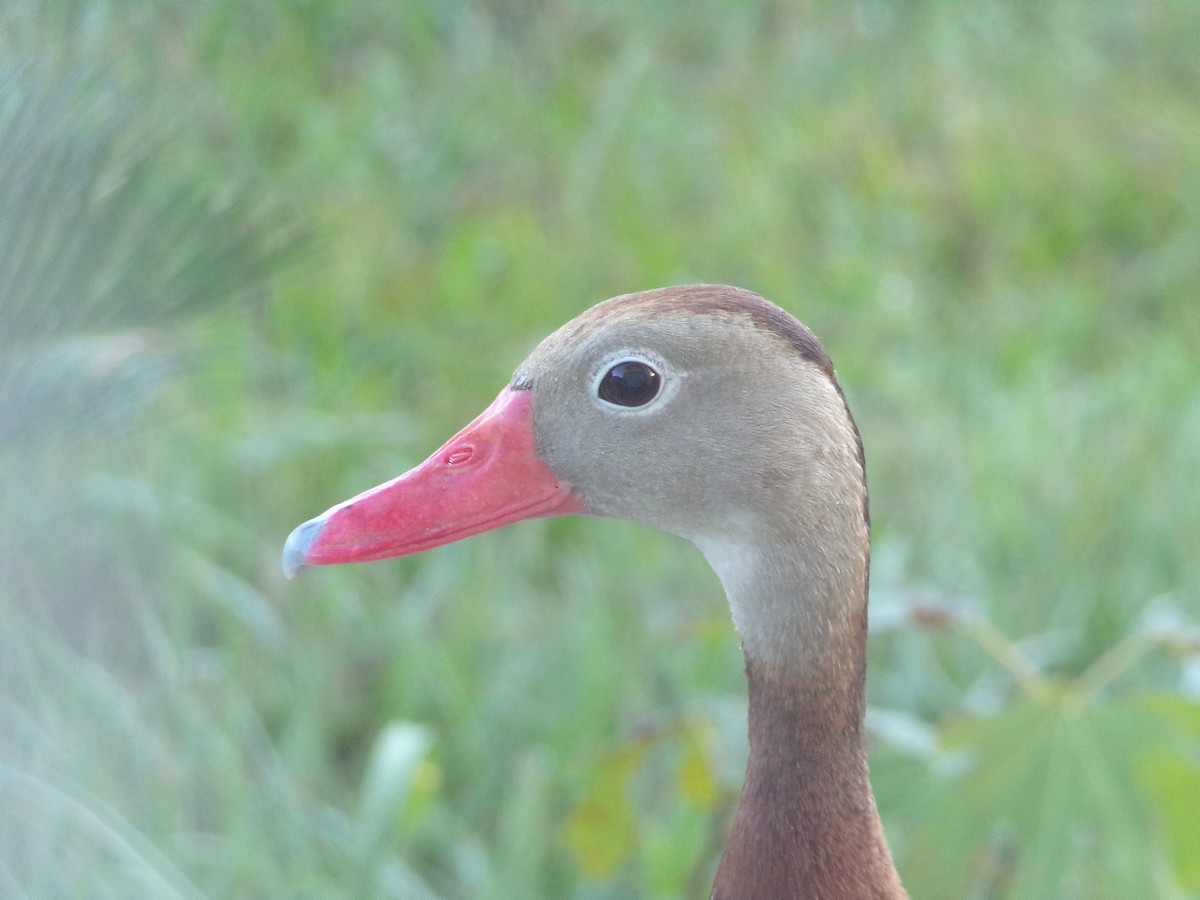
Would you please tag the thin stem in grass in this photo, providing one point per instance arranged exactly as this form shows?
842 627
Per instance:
111 832
1110 666
1005 653
1116 661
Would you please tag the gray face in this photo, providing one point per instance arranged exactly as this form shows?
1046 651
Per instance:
743 424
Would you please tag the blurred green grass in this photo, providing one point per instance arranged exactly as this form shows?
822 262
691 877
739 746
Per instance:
989 211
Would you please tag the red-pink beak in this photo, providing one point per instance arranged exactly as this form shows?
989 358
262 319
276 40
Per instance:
487 475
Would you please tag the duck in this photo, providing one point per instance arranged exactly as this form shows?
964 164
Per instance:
708 412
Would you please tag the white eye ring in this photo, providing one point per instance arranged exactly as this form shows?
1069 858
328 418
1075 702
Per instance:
648 376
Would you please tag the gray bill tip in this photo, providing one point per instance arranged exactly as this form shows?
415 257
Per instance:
295 548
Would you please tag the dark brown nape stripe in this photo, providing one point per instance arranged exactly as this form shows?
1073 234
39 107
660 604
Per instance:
738 301
724 298
764 314
768 316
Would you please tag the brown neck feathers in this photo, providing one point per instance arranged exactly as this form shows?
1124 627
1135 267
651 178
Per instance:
806 825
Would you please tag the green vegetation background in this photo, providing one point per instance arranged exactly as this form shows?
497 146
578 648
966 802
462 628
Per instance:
258 256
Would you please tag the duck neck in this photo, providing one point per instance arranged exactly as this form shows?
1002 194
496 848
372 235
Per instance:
806 824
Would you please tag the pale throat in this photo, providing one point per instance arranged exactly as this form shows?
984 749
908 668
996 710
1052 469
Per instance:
795 609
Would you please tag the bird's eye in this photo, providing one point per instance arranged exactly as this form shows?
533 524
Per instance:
630 382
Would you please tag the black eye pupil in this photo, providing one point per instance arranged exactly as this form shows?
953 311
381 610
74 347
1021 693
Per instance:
630 383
